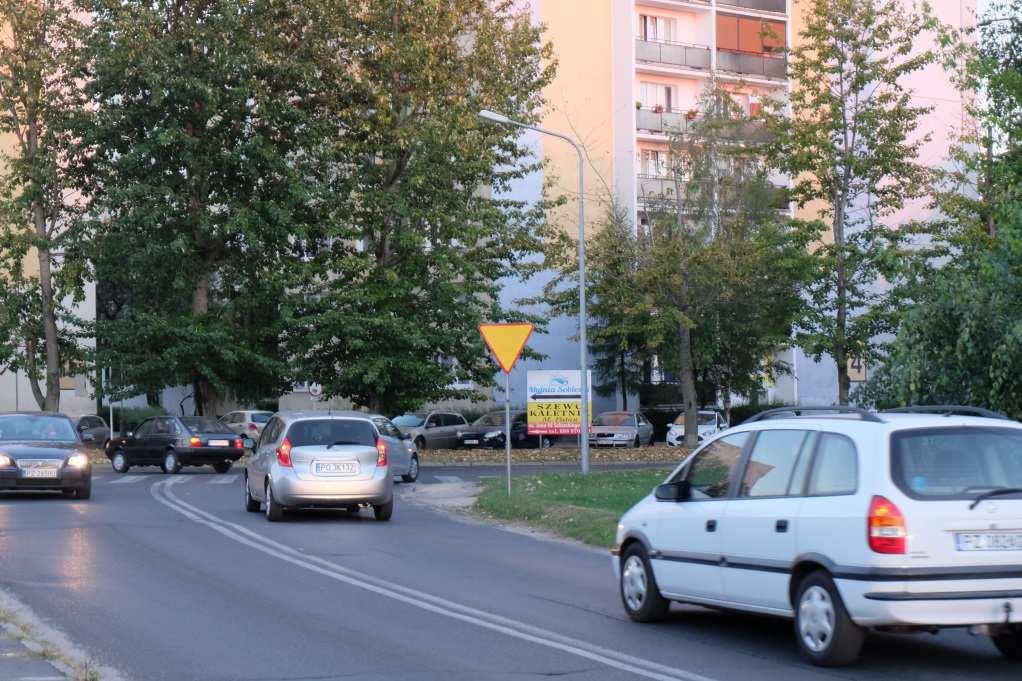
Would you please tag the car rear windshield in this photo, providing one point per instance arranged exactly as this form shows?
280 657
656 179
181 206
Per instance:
614 420
204 424
261 416
956 463
32 428
408 421
323 432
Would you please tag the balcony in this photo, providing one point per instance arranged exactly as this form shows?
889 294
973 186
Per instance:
674 122
672 54
658 190
751 64
779 6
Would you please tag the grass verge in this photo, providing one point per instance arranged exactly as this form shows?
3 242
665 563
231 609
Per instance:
582 507
481 457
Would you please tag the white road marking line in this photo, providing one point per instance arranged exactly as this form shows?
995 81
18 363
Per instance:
448 478
224 480
128 479
646 668
41 678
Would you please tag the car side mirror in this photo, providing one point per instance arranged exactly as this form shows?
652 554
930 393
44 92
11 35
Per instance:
88 437
673 491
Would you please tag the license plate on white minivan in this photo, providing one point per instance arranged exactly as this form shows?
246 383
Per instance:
988 541
336 468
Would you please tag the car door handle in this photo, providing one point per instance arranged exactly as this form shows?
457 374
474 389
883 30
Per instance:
781 526
711 525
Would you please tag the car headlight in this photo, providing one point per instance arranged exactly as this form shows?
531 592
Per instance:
493 433
78 461
460 434
5 461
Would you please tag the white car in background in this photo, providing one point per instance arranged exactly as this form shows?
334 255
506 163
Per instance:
846 523
247 423
709 423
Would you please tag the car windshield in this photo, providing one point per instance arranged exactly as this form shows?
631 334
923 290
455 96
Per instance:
494 418
614 419
326 432
956 463
408 421
36 428
204 424
703 419
261 416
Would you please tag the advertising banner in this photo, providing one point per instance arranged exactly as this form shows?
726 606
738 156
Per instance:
554 399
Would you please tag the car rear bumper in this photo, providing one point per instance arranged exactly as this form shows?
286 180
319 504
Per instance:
204 456
943 603
291 491
70 478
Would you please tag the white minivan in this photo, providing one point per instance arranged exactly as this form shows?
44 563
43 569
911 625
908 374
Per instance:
845 522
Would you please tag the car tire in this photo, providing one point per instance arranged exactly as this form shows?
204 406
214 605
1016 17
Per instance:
119 462
84 492
106 445
171 465
1009 641
636 443
640 594
652 440
420 444
413 470
383 512
274 511
826 635
222 467
251 505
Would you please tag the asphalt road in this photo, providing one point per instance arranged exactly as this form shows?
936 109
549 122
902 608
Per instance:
167 578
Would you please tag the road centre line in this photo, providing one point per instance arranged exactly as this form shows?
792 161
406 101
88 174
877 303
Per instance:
162 492
128 479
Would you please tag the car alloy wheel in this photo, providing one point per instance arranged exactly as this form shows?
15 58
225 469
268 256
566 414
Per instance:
120 462
170 463
816 619
634 584
413 470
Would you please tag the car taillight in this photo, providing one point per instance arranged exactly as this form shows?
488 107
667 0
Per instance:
194 441
381 448
239 444
253 427
284 454
886 529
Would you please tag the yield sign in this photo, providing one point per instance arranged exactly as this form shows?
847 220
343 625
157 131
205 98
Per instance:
506 342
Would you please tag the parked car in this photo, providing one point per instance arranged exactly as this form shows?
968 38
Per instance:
433 429
327 460
621 429
488 431
93 431
708 422
42 451
172 442
902 522
247 423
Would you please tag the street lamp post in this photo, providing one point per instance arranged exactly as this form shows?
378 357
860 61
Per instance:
501 119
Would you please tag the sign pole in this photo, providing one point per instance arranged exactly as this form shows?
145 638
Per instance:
507 427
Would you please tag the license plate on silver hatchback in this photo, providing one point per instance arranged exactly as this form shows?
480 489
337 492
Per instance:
988 541
336 467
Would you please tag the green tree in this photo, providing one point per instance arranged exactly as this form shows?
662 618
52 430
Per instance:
850 143
408 256
194 154
41 261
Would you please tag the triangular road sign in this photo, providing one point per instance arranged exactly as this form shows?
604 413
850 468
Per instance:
506 341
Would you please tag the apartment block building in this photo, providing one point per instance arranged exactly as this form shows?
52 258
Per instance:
632 71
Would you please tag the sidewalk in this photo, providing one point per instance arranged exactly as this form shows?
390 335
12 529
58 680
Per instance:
23 660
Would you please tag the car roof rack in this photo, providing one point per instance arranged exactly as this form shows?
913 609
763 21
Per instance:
796 412
947 410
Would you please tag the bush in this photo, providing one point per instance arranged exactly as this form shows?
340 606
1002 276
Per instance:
131 417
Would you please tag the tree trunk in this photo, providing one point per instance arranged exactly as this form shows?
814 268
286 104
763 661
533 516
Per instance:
688 385
201 389
33 381
726 400
623 382
841 293
49 319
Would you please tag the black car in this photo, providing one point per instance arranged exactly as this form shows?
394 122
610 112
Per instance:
488 431
42 451
171 442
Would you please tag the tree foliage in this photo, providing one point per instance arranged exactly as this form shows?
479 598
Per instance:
41 260
850 143
408 252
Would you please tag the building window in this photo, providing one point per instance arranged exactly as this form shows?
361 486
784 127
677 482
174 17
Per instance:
739 34
658 29
653 162
658 96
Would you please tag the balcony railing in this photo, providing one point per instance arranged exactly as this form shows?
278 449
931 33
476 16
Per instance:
751 64
672 54
674 122
656 189
762 5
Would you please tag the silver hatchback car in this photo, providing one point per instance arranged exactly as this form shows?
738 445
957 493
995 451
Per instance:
327 460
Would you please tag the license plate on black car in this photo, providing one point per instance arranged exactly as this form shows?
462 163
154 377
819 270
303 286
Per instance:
471 442
219 443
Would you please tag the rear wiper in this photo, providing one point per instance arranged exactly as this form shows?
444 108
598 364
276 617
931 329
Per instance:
994 493
343 442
